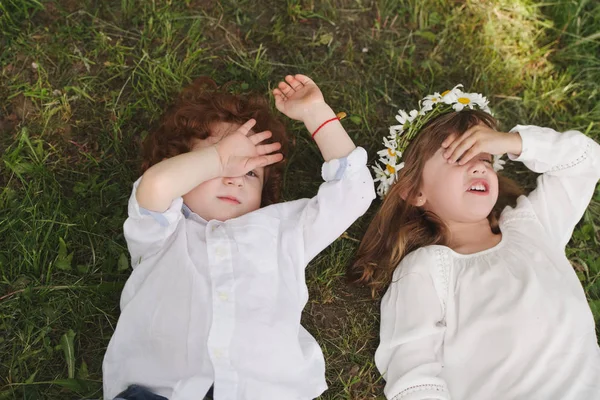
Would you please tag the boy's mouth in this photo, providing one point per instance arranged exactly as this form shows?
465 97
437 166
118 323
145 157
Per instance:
229 199
479 186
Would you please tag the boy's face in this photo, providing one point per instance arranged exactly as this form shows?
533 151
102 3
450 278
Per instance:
225 197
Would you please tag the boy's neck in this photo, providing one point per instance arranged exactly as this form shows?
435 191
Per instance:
469 238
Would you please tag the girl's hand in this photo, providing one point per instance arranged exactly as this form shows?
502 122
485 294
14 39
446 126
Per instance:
480 139
240 152
298 96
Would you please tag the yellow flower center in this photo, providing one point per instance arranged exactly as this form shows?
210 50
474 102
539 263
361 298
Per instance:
390 169
434 100
445 93
391 152
463 100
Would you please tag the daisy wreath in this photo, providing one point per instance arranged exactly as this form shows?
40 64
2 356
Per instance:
411 123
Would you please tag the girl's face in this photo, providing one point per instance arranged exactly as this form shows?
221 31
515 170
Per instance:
459 193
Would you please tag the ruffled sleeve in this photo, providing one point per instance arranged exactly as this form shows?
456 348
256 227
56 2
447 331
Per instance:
570 166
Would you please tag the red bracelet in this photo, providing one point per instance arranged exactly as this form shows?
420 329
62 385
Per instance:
338 117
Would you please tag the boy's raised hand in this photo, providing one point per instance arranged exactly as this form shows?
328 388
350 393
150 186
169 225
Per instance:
241 152
297 96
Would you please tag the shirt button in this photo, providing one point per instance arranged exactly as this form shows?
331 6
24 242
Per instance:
220 251
223 296
214 227
218 353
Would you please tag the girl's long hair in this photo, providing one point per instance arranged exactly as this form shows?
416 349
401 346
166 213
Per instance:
399 227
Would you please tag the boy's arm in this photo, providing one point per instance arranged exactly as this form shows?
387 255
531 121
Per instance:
348 189
234 155
176 176
301 99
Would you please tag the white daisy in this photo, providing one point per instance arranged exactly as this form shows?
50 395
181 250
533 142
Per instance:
385 178
464 100
429 101
396 130
498 164
389 153
450 96
403 117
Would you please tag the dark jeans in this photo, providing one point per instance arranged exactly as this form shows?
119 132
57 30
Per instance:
136 392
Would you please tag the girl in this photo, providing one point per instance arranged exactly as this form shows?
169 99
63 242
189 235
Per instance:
217 287
482 302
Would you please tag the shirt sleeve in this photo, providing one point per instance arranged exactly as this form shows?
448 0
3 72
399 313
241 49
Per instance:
345 195
412 330
570 166
146 232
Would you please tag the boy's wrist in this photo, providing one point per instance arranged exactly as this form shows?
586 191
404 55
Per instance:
316 115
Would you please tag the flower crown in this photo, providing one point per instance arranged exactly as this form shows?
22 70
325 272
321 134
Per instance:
410 125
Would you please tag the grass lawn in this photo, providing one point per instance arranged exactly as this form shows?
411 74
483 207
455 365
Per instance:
82 83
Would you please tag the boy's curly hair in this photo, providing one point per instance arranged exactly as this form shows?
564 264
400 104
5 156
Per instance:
196 109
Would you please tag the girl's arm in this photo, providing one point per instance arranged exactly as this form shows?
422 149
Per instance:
348 189
570 166
569 163
410 351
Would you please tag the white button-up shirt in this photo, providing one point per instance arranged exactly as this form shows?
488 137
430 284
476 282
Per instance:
211 302
511 322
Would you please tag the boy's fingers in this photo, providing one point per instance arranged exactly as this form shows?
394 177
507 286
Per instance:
285 88
268 148
260 136
247 126
303 79
263 161
293 82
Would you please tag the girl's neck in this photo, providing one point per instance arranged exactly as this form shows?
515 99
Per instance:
469 238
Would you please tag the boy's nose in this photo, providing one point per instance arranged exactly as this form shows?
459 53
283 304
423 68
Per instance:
234 181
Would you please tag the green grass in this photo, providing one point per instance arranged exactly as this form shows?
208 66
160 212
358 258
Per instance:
82 82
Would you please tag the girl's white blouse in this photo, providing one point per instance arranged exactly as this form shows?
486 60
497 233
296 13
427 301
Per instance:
211 302
511 322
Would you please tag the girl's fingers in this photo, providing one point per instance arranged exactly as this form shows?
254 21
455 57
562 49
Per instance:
293 82
461 149
260 136
449 140
455 143
268 148
278 93
247 126
468 156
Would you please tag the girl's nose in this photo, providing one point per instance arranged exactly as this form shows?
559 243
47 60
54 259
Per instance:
478 167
